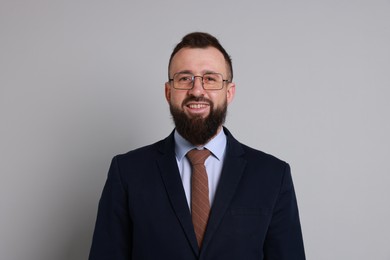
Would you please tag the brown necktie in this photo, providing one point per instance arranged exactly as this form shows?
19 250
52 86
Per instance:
200 203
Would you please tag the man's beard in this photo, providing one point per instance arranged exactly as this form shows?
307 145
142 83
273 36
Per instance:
198 130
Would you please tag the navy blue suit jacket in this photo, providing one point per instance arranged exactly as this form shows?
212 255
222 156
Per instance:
143 213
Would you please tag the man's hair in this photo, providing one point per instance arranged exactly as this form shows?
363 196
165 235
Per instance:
202 40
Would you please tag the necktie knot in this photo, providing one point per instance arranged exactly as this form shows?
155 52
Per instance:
196 156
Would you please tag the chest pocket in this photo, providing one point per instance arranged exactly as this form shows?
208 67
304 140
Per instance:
252 222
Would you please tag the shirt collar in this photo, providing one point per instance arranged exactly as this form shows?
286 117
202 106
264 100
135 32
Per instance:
216 145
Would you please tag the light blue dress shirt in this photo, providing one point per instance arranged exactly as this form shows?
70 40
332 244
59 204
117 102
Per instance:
213 164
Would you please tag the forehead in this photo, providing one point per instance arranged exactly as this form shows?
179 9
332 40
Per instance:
198 60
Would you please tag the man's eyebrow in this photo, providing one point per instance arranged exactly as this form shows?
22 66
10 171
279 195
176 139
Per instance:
209 71
185 71
190 72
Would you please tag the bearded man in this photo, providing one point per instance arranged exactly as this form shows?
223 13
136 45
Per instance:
199 193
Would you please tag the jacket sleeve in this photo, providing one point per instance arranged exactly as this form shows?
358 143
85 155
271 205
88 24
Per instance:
284 237
113 229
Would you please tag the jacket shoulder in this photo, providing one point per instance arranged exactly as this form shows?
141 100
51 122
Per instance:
255 154
142 153
249 153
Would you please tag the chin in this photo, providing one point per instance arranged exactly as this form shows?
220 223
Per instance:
197 116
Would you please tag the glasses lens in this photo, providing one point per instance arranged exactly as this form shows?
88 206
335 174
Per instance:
212 81
182 81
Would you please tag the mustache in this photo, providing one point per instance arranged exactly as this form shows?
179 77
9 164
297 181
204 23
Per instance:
196 99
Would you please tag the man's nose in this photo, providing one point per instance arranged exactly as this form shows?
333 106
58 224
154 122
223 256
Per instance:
197 88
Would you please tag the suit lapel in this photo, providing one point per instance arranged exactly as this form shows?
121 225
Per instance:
174 187
232 171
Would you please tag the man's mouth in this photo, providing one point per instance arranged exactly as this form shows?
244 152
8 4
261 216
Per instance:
197 105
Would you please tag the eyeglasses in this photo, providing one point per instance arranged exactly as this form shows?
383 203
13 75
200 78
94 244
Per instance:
210 81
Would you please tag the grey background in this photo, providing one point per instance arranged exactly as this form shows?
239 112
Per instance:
81 81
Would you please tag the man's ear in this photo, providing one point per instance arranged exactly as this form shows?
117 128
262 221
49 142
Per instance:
230 92
167 91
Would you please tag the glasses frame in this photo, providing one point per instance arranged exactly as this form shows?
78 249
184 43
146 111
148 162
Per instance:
193 81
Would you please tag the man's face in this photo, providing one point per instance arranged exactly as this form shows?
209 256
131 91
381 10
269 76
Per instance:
202 111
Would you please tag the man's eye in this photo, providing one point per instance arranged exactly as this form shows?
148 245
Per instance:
185 79
209 79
